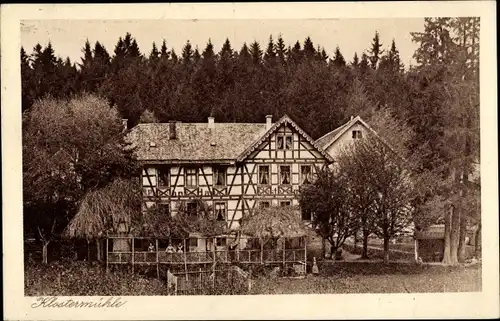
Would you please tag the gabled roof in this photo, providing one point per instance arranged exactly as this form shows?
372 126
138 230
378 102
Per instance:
194 141
327 140
331 137
284 120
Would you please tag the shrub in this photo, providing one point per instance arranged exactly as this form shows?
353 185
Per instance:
86 279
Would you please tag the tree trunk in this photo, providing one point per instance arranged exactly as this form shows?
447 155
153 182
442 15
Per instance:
455 235
462 245
323 249
477 242
447 236
44 252
364 254
386 249
98 244
88 250
355 240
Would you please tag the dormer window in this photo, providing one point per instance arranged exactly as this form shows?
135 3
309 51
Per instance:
357 134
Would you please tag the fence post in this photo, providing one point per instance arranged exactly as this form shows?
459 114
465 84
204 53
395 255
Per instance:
185 260
261 251
305 254
157 261
132 254
238 251
284 253
107 247
214 273
200 281
213 249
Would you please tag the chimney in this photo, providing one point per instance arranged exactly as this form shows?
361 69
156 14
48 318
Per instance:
269 121
211 123
172 129
124 123
352 117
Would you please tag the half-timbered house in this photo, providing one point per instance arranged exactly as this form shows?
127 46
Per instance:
232 167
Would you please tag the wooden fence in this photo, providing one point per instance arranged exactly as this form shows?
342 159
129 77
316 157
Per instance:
209 282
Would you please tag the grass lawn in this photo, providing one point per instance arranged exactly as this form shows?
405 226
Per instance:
83 278
353 277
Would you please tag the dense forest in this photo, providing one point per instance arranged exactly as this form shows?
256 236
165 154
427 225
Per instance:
437 98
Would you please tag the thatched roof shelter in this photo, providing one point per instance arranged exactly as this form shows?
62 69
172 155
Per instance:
274 222
102 210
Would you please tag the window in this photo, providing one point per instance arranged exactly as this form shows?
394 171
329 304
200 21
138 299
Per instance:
163 175
305 174
265 204
306 215
264 174
285 175
220 241
284 141
220 211
285 203
164 209
357 134
191 177
219 176
193 243
192 208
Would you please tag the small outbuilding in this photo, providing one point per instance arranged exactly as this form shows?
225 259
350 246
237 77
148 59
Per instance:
429 242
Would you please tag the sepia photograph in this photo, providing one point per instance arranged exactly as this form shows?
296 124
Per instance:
246 157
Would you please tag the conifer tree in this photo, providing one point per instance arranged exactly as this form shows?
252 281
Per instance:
281 50
309 51
174 56
391 61
196 55
338 60
187 53
323 55
364 64
255 52
87 55
355 61
295 54
270 54
376 51
154 54
164 54
133 50
27 87
244 55
101 54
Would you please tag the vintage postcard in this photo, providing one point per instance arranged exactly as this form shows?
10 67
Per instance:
249 161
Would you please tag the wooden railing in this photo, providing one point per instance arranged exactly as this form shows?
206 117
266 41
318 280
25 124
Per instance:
242 256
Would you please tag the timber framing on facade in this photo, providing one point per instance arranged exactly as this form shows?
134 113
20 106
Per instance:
232 167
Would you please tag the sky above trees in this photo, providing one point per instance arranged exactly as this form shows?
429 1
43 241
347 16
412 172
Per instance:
351 35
